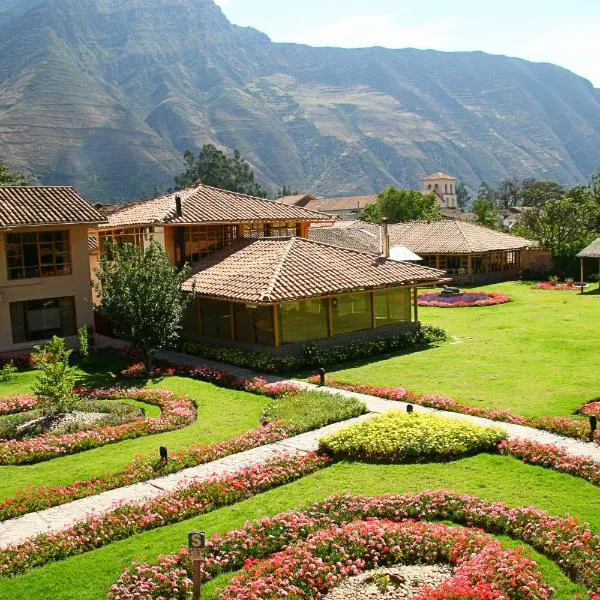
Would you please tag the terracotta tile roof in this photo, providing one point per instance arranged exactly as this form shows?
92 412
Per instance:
274 270
422 237
452 237
296 199
591 251
205 204
44 205
341 203
363 239
438 175
92 243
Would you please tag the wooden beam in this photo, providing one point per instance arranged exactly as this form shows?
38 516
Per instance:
276 331
373 319
415 303
232 321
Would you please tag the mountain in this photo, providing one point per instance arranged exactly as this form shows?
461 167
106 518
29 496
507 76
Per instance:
107 94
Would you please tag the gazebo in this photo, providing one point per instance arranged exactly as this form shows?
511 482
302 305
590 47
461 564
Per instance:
591 251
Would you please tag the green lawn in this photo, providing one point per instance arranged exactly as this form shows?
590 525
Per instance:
537 355
492 477
221 414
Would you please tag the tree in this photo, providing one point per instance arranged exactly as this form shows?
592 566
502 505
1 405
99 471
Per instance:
564 225
54 384
286 190
508 193
463 198
535 192
486 213
402 205
485 192
8 178
213 167
139 292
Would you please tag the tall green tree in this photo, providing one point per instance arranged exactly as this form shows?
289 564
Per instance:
485 192
213 167
463 198
401 205
564 225
508 193
139 292
9 178
536 192
486 213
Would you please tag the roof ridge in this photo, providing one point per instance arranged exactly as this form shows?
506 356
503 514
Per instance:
320 243
277 271
469 246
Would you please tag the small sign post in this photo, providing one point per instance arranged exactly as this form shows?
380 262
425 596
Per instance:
196 544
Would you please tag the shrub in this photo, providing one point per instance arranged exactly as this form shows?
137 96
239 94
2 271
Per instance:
310 410
53 387
401 437
7 372
83 336
317 355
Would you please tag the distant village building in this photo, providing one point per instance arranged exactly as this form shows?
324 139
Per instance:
443 186
348 208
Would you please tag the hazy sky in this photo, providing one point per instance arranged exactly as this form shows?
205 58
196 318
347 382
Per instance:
563 32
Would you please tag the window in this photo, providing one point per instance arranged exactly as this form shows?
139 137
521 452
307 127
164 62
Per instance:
265 230
254 324
392 306
131 235
303 321
351 313
41 319
216 318
38 254
201 240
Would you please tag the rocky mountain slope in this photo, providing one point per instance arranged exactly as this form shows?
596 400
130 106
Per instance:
107 94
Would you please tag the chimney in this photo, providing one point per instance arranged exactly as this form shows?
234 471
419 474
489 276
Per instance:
178 205
385 238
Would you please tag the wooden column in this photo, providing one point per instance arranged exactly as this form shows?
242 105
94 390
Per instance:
199 315
437 261
373 320
415 303
276 332
232 321
329 317
581 273
469 265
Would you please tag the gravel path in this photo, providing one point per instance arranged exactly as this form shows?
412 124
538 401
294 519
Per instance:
59 517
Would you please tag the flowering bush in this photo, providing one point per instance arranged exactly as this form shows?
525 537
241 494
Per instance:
552 457
400 437
572 545
554 285
464 299
23 362
16 404
314 566
591 409
176 412
566 426
129 519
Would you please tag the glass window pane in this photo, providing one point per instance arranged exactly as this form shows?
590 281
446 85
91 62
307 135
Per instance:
392 306
303 321
351 312
215 318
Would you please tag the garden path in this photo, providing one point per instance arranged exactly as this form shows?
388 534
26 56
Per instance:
59 517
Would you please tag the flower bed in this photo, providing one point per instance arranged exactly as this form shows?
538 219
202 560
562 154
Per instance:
172 507
566 426
176 412
15 404
552 457
550 285
397 437
569 543
314 566
475 298
591 409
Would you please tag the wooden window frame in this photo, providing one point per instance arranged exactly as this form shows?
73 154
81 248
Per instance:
42 268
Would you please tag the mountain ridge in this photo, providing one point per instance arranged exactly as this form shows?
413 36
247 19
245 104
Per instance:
107 96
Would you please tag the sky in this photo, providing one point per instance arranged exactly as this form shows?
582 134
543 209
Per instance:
563 32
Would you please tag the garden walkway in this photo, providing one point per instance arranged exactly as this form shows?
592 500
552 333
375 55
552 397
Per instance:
60 517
